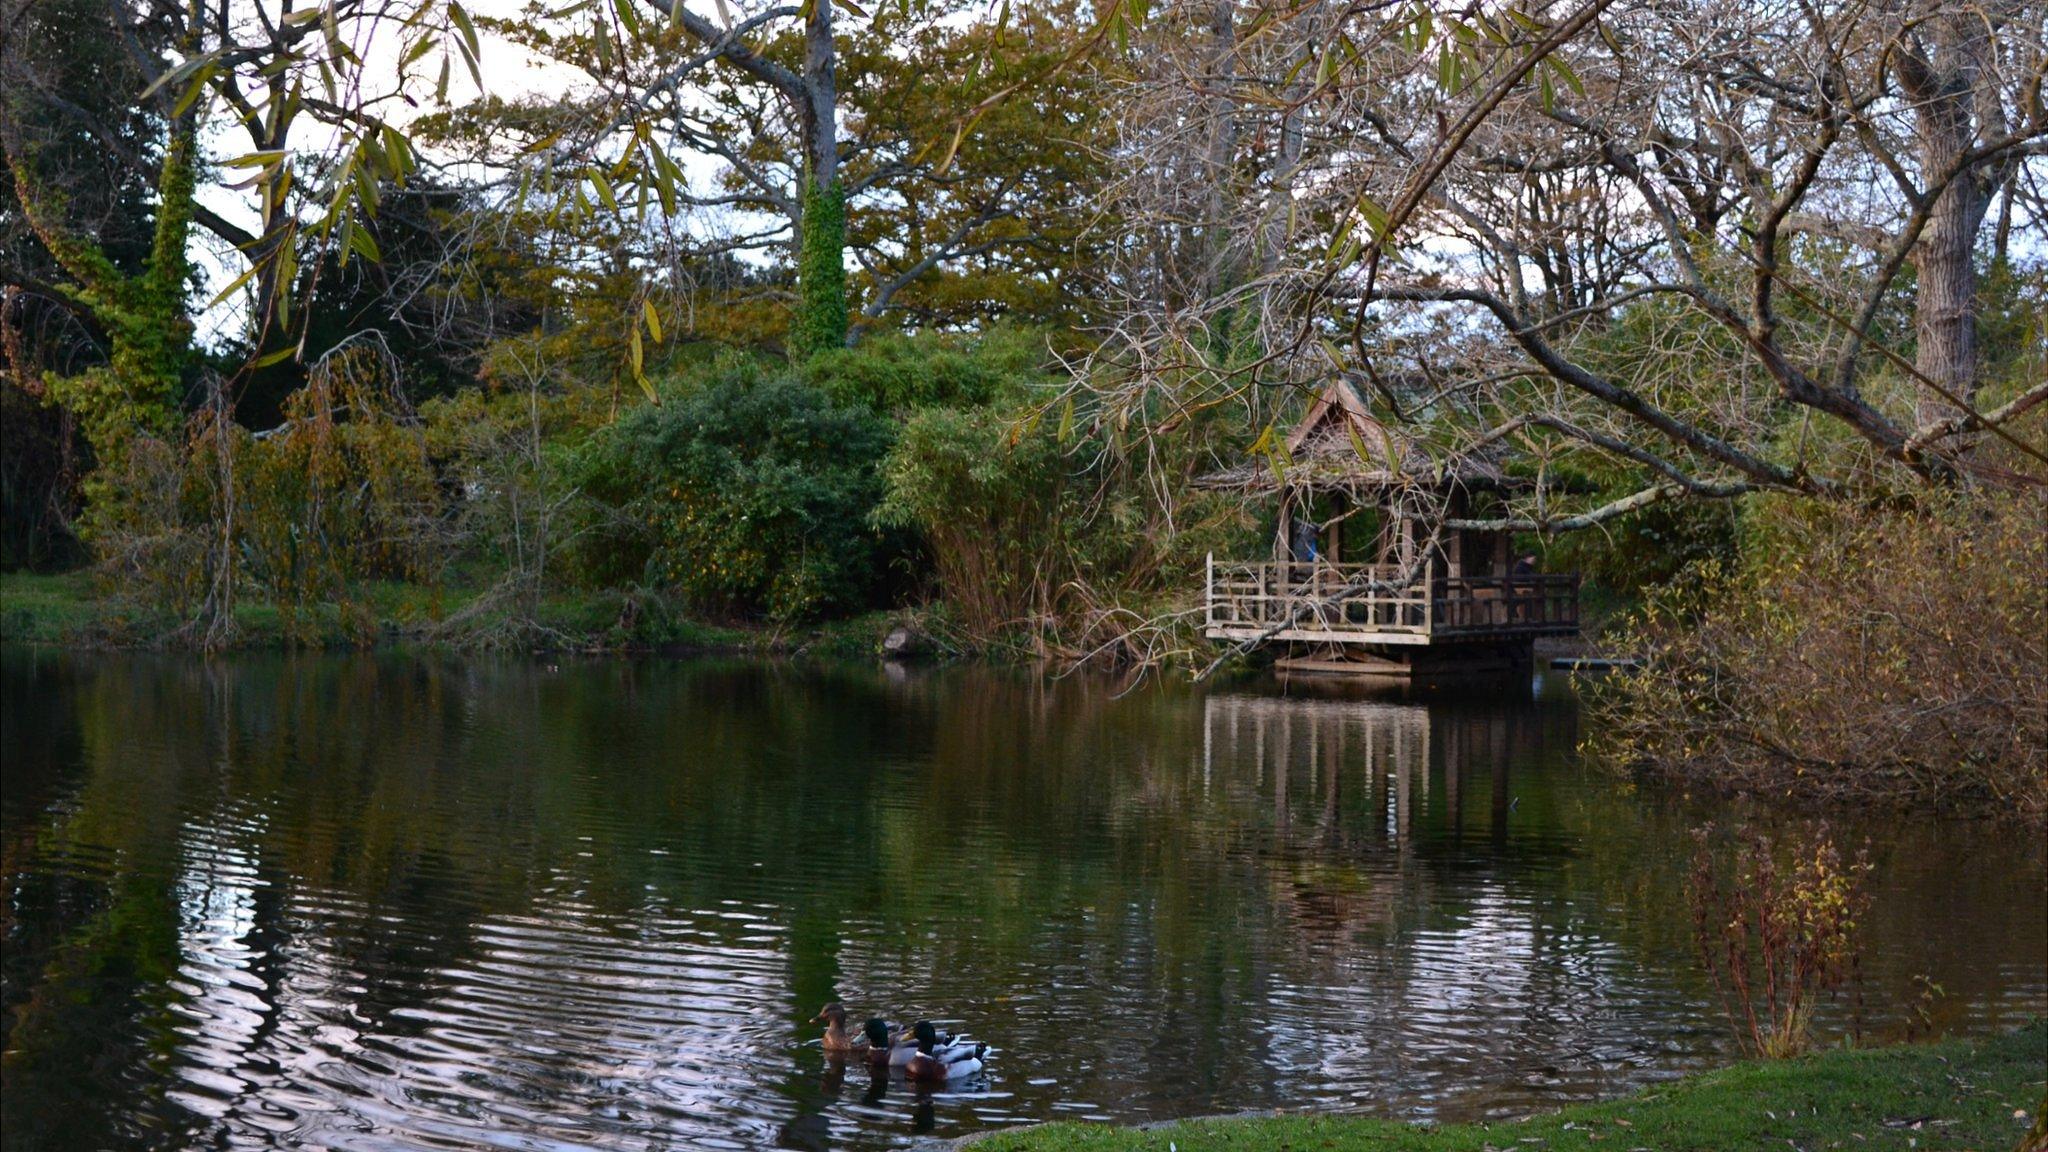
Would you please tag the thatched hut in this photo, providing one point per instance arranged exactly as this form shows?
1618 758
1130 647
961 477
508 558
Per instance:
1364 576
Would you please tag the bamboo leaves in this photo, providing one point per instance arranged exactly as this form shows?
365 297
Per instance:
647 319
467 44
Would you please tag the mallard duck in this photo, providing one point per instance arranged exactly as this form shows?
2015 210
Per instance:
833 1017
940 1058
887 1047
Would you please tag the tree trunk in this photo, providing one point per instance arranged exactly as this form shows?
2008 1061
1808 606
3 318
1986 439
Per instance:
1942 75
1286 162
1218 273
821 98
1945 311
819 323
272 294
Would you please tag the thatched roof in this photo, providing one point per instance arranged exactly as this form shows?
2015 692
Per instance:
1340 446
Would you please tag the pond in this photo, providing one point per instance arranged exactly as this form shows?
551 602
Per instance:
397 901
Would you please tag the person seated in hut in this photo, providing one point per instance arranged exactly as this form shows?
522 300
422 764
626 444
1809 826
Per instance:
1304 546
1522 587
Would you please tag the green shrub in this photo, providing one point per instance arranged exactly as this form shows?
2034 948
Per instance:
993 506
897 373
1046 532
502 452
747 493
340 494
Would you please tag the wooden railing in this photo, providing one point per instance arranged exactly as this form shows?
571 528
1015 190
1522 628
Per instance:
1547 602
1318 597
1317 600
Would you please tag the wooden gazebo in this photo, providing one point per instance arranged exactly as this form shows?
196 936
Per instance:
1362 579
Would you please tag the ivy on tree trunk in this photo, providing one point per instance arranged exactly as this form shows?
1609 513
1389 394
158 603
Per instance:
143 315
820 320
135 394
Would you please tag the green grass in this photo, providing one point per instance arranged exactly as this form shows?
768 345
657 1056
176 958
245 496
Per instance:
1956 1095
45 609
70 610
67 609
853 638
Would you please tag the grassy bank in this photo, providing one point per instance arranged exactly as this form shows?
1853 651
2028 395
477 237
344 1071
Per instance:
1956 1095
68 610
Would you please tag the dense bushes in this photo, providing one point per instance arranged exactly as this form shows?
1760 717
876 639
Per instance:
1854 654
1041 535
894 374
502 452
910 469
753 489
746 492
992 506
342 493
801 492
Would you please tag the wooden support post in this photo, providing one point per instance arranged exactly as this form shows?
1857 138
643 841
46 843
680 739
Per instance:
1209 598
1429 596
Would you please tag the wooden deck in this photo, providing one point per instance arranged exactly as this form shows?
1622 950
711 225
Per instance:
1324 603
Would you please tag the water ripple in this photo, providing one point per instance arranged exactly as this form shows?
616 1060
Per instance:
399 905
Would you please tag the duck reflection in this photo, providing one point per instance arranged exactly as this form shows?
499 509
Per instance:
878 1086
434 900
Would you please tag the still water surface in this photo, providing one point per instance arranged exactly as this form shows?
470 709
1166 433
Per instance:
401 902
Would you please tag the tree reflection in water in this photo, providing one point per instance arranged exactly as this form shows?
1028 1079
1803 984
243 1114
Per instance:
393 901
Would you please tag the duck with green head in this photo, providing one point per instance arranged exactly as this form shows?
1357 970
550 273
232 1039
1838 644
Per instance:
937 1058
887 1047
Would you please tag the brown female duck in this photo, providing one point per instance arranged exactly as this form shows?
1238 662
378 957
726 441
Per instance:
837 1038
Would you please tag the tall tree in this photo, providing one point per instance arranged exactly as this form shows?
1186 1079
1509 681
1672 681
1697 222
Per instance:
652 63
828 142
1481 198
142 312
1947 59
269 65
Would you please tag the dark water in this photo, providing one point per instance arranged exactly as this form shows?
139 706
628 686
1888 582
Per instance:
395 902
